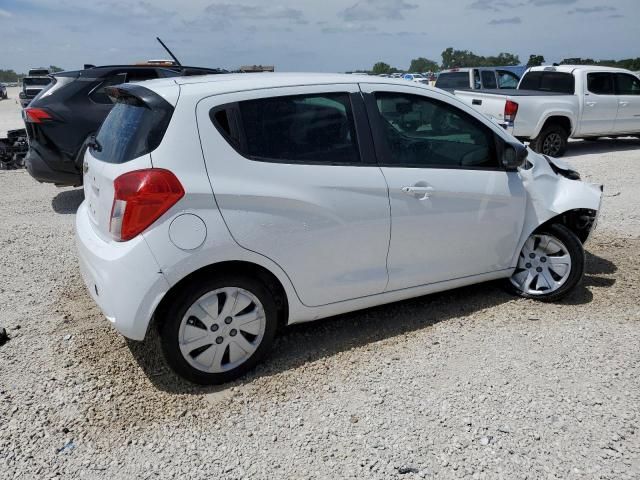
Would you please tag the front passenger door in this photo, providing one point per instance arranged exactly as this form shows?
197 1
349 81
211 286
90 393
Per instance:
455 212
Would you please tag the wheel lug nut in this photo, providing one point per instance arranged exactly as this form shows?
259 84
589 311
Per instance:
528 265
214 327
539 269
228 320
219 340
543 259
532 255
233 332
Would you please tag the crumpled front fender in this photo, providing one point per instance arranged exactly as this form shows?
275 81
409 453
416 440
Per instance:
550 195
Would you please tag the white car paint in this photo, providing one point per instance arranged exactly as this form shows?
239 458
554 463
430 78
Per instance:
337 238
589 114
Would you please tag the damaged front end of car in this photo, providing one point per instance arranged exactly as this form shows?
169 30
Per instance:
556 194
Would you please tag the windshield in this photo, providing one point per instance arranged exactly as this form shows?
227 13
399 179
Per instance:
557 82
39 81
453 80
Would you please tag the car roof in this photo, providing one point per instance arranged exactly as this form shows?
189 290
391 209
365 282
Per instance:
230 82
572 68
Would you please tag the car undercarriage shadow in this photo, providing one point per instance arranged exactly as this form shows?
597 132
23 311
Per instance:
299 344
68 201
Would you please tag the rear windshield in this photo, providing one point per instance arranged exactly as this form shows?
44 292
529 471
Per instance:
130 131
453 80
36 81
557 82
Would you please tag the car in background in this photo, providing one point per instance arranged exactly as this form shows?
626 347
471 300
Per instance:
306 170
61 120
553 104
31 87
3 91
478 78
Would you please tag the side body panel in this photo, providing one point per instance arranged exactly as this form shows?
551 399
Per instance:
326 225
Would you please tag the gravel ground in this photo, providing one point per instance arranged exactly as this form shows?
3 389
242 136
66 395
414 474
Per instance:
471 383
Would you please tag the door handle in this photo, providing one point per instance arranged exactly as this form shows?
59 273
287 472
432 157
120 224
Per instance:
623 104
591 104
421 193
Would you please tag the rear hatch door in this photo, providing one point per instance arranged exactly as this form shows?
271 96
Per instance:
131 131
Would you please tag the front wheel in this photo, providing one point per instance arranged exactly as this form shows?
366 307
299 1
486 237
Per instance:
217 329
552 141
550 265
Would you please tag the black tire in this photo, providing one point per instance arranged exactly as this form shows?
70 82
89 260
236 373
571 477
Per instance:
575 250
552 141
170 320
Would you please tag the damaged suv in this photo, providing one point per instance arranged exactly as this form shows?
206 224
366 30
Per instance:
224 207
62 118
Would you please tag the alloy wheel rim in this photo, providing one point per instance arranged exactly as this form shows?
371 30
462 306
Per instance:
552 144
222 329
543 267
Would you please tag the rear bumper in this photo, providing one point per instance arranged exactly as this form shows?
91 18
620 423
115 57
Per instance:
123 278
43 165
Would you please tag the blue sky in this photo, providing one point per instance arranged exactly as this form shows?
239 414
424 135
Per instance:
305 35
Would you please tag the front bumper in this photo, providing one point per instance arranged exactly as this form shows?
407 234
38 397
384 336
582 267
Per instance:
123 278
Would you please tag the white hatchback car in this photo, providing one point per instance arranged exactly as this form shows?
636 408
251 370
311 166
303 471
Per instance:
225 206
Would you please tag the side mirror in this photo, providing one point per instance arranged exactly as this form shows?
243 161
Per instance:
513 156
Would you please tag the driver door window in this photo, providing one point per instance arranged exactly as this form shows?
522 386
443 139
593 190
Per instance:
423 132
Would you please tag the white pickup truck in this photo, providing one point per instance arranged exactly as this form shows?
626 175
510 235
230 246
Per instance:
553 104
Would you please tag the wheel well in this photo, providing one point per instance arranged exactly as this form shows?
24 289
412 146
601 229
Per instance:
246 268
579 221
563 122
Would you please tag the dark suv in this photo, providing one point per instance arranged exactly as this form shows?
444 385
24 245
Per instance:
62 119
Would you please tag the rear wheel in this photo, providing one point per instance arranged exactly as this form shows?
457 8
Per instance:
550 264
216 330
552 141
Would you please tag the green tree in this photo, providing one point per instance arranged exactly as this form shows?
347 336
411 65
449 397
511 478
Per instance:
503 59
465 58
421 65
380 68
535 60
54 69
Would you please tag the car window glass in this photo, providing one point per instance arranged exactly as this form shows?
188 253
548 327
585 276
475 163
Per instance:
98 95
507 79
453 80
489 79
558 82
316 128
141 74
627 84
600 83
476 80
422 132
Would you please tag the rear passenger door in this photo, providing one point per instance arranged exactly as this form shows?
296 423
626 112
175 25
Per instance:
600 105
628 95
295 178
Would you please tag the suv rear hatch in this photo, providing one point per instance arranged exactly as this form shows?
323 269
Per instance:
123 145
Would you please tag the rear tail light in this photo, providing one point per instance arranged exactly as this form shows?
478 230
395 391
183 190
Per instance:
510 111
37 115
140 198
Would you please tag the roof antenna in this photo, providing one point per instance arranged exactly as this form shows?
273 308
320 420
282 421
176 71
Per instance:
169 51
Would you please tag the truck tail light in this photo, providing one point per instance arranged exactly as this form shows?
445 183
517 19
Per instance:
510 111
36 115
140 198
